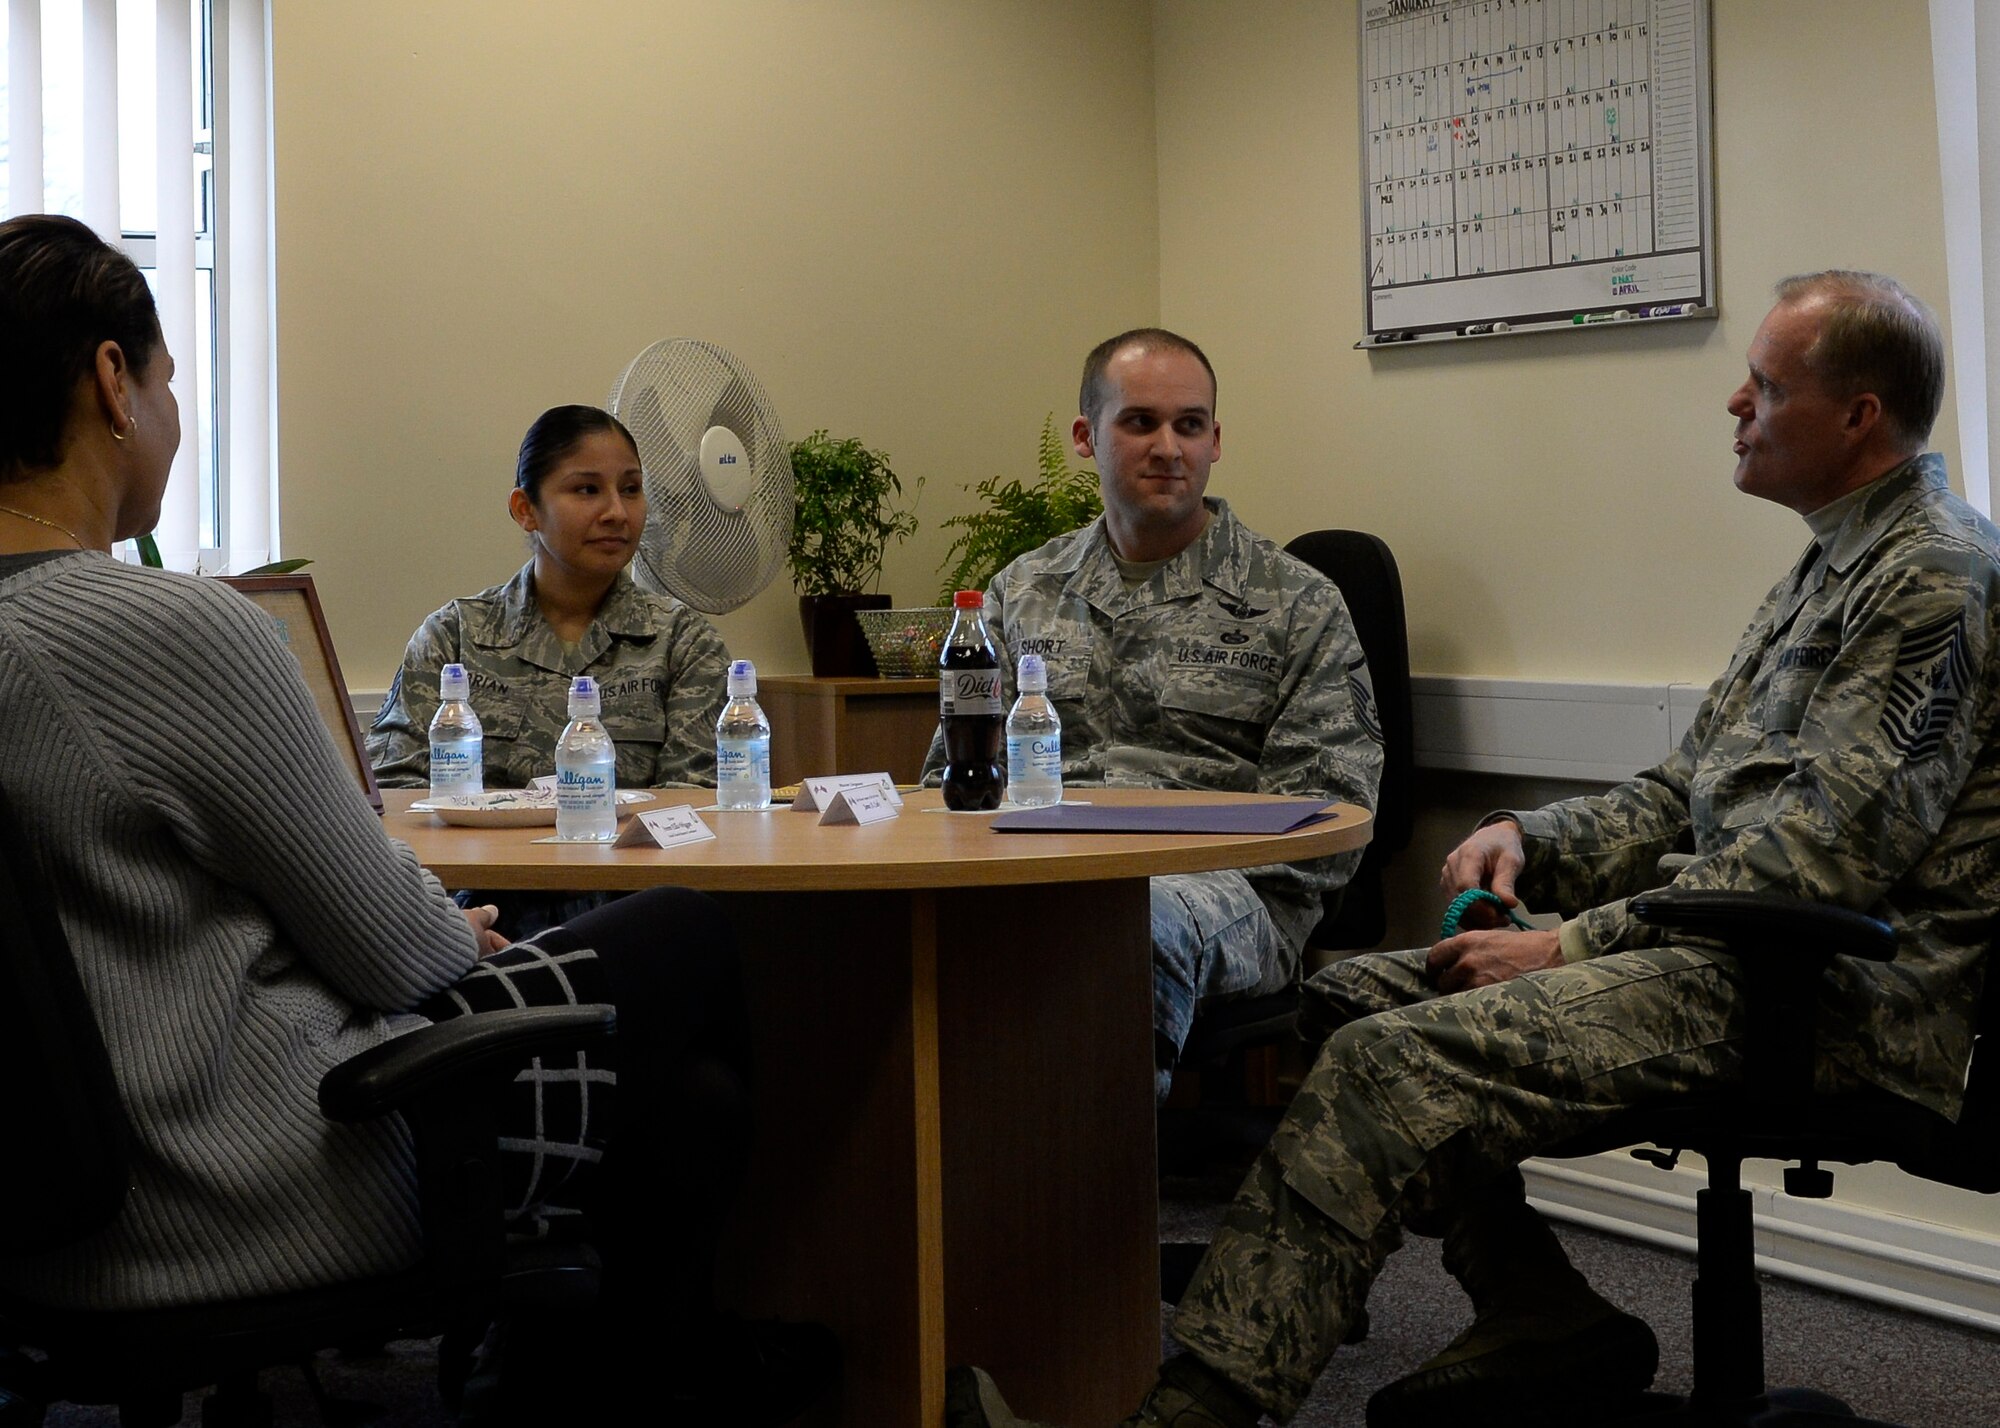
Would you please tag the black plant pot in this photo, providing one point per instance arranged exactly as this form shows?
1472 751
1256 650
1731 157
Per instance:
834 641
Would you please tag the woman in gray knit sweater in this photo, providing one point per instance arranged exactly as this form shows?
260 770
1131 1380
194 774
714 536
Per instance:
241 923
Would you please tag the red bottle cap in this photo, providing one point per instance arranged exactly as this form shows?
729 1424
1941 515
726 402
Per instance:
968 600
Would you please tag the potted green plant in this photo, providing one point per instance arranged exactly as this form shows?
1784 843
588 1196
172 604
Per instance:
847 513
1017 518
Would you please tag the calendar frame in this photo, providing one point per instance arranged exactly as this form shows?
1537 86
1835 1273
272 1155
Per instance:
1533 289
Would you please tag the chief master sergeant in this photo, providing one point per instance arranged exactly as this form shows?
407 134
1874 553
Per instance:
1185 651
1848 755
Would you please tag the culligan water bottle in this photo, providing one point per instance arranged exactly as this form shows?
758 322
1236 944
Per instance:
969 708
586 771
1034 739
742 744
458 744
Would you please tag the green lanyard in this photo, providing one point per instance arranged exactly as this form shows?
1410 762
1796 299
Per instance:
1470 899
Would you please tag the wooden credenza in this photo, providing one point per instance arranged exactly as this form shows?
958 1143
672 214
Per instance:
829 726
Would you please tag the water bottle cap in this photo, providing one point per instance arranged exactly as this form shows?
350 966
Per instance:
969 600
1033 675
742 679
452 683
582 697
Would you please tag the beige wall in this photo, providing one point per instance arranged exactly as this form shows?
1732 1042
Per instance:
1560 503
909 219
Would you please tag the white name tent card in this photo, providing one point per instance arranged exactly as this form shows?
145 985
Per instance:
871 804
815 794
668 827
546 781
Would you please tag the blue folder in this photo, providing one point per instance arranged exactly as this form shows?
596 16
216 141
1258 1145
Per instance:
1265 816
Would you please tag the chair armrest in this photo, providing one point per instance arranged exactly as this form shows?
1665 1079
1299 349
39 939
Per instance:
420 1063
1757 924
1784 946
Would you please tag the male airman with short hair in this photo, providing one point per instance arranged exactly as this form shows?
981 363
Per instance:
1185 651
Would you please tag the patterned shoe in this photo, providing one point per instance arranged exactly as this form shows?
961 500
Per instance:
1516 1364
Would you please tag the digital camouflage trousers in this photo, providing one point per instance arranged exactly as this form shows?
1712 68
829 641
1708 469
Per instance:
1417 1101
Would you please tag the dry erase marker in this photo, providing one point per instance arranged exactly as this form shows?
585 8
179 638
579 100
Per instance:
1674 309
1619 316
1481 329
1382 337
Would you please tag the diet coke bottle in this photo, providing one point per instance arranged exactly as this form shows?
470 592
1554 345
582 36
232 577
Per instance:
969 708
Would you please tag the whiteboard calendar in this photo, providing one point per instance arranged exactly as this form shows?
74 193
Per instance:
1534 163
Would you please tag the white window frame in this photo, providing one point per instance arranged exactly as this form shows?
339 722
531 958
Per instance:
231 522
1965 63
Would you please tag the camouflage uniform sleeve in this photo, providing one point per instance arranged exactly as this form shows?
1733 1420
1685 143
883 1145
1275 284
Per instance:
399 741
697 688
1887 738
1604 847
1326 740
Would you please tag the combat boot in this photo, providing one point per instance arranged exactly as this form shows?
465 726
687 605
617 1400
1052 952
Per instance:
1541 1337
1187 1395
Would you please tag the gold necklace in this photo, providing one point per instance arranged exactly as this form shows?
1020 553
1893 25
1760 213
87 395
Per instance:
38 520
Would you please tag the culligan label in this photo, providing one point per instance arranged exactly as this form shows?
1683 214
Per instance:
584 790
1035 756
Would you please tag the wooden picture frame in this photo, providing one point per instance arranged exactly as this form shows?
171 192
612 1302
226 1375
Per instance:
293 605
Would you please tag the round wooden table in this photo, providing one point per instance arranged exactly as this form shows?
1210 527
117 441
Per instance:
954 1159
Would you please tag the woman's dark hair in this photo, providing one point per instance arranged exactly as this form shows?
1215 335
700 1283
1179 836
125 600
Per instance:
63 291
555 435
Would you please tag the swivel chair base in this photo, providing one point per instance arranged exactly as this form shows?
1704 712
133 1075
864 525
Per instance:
1779 1408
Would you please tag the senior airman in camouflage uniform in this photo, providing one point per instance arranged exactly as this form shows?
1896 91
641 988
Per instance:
1846 755
660 668
1185 651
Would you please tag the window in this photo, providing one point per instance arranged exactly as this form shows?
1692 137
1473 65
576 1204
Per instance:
146 120
1965 51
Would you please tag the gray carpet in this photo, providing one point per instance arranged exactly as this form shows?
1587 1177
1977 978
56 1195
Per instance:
1886 1363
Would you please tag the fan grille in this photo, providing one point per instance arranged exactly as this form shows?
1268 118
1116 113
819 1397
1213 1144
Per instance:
711 555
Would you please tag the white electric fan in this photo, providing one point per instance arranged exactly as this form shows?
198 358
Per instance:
718 474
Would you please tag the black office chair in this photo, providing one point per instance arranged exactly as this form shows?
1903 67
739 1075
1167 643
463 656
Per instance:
1362 566
1364 570
1234 1043
64 1176
1785 947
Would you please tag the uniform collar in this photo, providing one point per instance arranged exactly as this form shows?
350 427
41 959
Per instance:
1219 557
1846 529
510 619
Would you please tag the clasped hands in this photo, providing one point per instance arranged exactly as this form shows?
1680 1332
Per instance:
482 919
1493 951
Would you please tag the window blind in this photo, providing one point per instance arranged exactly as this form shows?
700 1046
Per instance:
147 120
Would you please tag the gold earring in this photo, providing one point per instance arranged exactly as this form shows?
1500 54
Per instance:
133 425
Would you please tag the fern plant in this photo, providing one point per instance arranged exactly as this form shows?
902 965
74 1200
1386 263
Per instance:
1017 518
